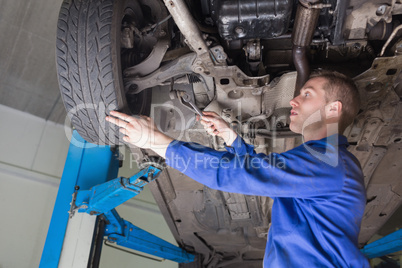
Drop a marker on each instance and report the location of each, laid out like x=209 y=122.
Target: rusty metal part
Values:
x=362 y=16
x=152 y=62
x=188 y=27
x=219 y=55
x=253 y=50
x=179 y=66
x=305 y=24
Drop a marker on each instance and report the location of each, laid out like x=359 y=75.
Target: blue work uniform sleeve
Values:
x=301 y=173
x=239 y=147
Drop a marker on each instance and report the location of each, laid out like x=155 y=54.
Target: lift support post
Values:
x=86 y=165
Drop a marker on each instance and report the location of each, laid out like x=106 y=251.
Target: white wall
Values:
x=26 y=202
x=32 y=156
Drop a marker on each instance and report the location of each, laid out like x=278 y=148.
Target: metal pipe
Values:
x=396 y=30
x=301 y=63
x=305 y=23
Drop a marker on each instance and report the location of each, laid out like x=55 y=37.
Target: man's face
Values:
x=308 y=108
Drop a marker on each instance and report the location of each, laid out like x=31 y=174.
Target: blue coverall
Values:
x=317 y=187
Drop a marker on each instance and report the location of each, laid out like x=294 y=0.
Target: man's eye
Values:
x=306 y=94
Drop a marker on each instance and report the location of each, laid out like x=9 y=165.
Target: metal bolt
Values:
x=198 y=69
x=133 y=87
x=381 y=10
x=356 y=46
x=239 y=30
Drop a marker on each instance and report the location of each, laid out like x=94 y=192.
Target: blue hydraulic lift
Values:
x=84 y=211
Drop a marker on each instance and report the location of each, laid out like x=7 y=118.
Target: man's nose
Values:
x=293 y=102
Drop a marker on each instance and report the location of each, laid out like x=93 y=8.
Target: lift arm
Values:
x=103 y=198
x=383 y=246
x=123 y=233
x=106 y=196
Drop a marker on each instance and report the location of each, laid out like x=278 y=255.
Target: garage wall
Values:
x=32 y=156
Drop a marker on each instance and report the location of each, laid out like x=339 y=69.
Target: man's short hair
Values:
x=341 y=88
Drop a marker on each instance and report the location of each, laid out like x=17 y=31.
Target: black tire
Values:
x=89 y=66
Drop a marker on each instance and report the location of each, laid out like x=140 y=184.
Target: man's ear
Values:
x=334 y=109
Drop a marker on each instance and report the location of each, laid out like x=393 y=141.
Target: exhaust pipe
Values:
x=300 y=60
x=305 y=23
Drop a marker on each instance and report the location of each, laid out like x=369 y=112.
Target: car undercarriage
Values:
x=244 y=60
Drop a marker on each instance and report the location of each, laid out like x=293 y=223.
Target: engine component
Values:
x=394 y=33
x=253 y=54
x=380 y=31
x=251 y=19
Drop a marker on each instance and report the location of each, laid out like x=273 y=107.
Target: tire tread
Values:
x=85 y=67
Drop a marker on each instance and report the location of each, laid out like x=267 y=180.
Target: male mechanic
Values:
x=319 y=195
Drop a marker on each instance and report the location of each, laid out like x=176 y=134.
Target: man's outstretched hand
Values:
x=141 y=132
x=216 y=126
